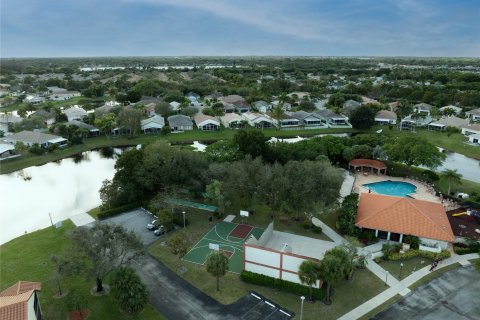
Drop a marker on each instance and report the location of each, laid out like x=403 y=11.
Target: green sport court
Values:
x=230 y=238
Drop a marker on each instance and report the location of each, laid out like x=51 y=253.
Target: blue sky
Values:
x=54 y=28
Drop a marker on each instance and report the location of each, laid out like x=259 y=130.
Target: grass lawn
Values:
x=454 y=142
x=384 y=306
x=187 y=137
x=232 y=288
x=467 y=186
x=409 y=266
x=27 y=258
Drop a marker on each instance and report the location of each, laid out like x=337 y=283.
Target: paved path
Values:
x=401 y=287
x=329 y=232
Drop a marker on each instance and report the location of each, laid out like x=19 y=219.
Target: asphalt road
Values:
x=176 y=298
x=452 y=296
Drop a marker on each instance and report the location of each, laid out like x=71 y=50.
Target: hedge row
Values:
x=444 y=254
x=282 y=285
x=114 y=211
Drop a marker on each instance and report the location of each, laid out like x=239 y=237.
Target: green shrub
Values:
x=279 y=284
x=444 y=254
x=36 y=150
x=413 y=241
x=306 y=224
x=317 y=229
x=114 y=211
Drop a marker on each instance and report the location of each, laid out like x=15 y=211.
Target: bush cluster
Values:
x=114 y=211
x=279 y=284
x=462 y=248
x=444 y=254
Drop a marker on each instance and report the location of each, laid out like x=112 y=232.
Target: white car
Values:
x=159 y=231
x=152 y=225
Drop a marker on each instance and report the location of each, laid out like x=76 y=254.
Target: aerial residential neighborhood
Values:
x=239 y=160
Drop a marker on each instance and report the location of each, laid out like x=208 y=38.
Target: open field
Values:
x=27 y=258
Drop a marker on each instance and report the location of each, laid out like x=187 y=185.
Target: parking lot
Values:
x=454 y=295
x=137 y=221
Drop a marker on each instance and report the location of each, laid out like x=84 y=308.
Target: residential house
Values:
x=393 y=218
x=63 y=96
x=206 y=123
x=393 y=106
x=148 y=99
x=445 y=122
x=233 y=121
x=149 y=109
x=258 y=120
x=262 y=106
x=367 y=100
x=34 y=99
x=55 y=90
x=153 y=124
x=75 y=113
x=29 y=138
x=241 y=106
x=415 y=120
x=332 y=119
x=474 y=139
x=349 y=106
x=309 y=120
x=385 y=117
x=423 y=109
x=228 y=107
x=7 y=119
x=193 y=97
x=473 y=114
x=48 y=117
x=286 y=106
x=175 y=105
x=92 y=130
x=288 y=121
x=455 y=109
x=470 y=129
x=21 y=302
x=180 y=123
x=6 y=151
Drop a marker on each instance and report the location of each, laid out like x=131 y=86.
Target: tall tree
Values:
x=362 y=118
x=403 y=109
x=251 y=142
x=217 y=265
x=309 y=273
x=331 y=271
x=130 y=119
x=106 y=123
x=278 y=113
x=453 y=177
x=129 y=290
x=103 y=248
x=414 y=151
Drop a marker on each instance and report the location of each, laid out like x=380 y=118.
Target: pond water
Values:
x=469 y=168
x=63 y=189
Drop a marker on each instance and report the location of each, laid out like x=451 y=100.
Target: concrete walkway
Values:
x=329 y=232
x=400 y=287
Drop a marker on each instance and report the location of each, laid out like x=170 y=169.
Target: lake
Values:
x=63 y=189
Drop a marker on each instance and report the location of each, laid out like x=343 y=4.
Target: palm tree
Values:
x=309 y=274
x=332 y=269
x=217 y=265
x=453 y=177
x=403 y=109
x=278 y=112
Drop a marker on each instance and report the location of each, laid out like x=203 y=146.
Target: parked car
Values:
x=152 y=225
x=159 y=231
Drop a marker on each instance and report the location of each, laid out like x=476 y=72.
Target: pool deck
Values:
x=424 y=191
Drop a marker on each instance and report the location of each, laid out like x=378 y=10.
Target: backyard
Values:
x=27 y=258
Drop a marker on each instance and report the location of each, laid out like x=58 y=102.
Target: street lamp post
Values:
x=183 y=219
x=301 y=310
x=386 y=278
x=401 y=267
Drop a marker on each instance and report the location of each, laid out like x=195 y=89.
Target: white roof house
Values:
x=423 y=108
x=474 y=139
x=308 y=119
x=75 y=113
x=152 y=124
x=30 y=138
x=175 y=105
x=473 y=114
x=232 y=120
x=470 y=129
x=454 y=108
x=206 y=123
x=258 y=120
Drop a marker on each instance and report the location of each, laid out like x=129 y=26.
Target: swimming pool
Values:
x=392 y=188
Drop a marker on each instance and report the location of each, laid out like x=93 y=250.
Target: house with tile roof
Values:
x=75 y=113
x=258 y=120
x=473 y=114
x=233 y=121
x=153 y=124
x=309 y=120
x=470 y=129
x=206 y=123
x=180 y=122
x=445 y=122
x=21 y=302
x=29 y=138
x=385 y=117
x=393 y=218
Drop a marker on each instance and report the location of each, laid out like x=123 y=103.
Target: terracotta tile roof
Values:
x=367 y=163
x=404 y=215
x=14 y=300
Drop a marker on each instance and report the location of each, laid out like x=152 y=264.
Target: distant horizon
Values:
x=319 y=28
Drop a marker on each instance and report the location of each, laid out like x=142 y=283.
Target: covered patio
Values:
x=368 y=163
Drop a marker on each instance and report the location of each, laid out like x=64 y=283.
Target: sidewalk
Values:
x=400 y=287
x=329 y=232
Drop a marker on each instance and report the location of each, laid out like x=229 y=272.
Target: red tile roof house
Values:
x=392 y=218
x=20 y=302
